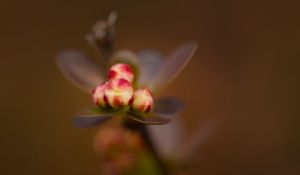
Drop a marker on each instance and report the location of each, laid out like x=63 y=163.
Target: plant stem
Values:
x=142 y=129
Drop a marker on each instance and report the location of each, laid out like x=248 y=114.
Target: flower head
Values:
x=117 y=93
x=120 y=90
x=115 y=89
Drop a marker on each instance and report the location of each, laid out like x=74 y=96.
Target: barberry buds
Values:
x=121 y=71
x=115 y=93
x=98 y=95
x=118 y=93
x=142 y=100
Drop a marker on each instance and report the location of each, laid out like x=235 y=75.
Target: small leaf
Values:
x=88 y=120
x=148 y=119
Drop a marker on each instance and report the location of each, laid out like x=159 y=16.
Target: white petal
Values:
x=124 y=56
x=171 y=142
x=173 y=65
x=199 y=136
x=167 y=137
x=149 y=62
x=168 y=106
x=80 y=69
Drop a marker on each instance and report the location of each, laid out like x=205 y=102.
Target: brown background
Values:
x=244 y=76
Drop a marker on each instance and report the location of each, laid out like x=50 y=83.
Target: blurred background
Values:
x=244 y=77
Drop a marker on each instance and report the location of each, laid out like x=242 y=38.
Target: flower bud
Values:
x=142 y=100
x=121 y=71
x=134 y=140
x=98 y=95
x=117 y=93
x=108 y=139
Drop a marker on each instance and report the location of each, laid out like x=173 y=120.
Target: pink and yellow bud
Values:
x=118 y=93
x=98 y=95
x=115 y=93
x=121 y=71
x=142 y=100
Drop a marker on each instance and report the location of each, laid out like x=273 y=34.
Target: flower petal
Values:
x=173 y=65
x=172 y=142
x=168 y=106
x=167 y=138
x=149 y=62
x=200 y=135
x=88 y=120
x=124 y=56
x=148 y=119
x=80 y=69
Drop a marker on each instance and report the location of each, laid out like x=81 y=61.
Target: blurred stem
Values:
x=142 y=129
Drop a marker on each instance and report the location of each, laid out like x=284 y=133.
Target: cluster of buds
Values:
x=118 y=91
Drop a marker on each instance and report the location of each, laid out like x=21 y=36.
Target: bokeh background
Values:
x=244 y=77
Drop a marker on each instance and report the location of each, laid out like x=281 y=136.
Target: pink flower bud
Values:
x=134 y=141
x=117 y=93
x=108 y=139
x=121 y=71
x=142 y=100
x=98 y=95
